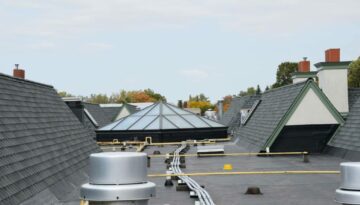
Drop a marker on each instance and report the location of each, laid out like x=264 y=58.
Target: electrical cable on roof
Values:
x=204 y=196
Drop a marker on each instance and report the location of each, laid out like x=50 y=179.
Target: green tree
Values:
x=267 y=88
x=199 y=98
x=98 y=99
x=283 y=74
x=354 y=74
x=154 y=95
x=64 y=94
x=258 y=90
x=249 y=91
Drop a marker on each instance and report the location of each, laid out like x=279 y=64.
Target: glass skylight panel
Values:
x=179 y=111
x=126 y=123
x=167 y=125
x=144 y=111
x=213 y=123
x=143 y=122
x=178 y=121
x=154 y=110
x=155 y=125
x=167 y=111
x=195 y=121
x=110 y=126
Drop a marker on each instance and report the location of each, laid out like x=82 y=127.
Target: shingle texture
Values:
x=42 y=141
x=348 y=135
x=268 y=114
x=232 y=116
x=111 y=113
x=98 y=114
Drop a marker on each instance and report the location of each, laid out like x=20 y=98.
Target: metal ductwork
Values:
x=349 y=191
x=118 y=178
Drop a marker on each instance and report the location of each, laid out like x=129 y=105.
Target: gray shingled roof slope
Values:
x=232 y=116
x=233 y=113
x=98 y=114
x=272 y=108
x=42 y=141
x=111 y=112
x=348 y=135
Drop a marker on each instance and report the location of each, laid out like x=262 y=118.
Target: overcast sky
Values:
x=175 y=47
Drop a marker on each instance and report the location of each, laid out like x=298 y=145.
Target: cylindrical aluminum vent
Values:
x=349 y=191
x=118 y=178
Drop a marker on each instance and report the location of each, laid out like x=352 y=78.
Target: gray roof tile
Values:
x=41 y=139
x=348 y=137
x=272 y=108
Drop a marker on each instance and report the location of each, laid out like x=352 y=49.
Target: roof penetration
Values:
x=161 y=116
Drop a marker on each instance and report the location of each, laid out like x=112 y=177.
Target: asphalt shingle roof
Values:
x=272 y=108
x=348 y=136
x=232 y=116
x=42 y=141
x=98 y=113
x=111 y=113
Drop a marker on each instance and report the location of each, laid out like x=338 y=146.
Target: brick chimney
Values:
x=18 y=73
x=304 y=66
x=332 y=55
x=333 y=79
x=303 y=73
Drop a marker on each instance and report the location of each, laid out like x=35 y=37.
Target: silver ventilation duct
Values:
x=118 y=178
x=349 y=191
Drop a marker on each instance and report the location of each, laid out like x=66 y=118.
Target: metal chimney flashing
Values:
x=118 y=178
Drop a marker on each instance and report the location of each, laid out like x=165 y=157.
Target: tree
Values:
x=98 y=99
x=249 y=91
x=354 y=74
x=258 y=90
x=267 y=88
x=227 y=102
x=203 y=105
x=185 y=105
x=135 y=96
x=64 y=94
x=283 y=74
x=197 y=98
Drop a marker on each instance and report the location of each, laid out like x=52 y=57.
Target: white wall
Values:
x=333 y=83
x=311 y=111
x=299 y=80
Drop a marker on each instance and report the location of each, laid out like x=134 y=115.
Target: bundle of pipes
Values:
x=202 y=194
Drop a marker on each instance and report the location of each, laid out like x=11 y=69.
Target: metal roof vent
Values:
x=118 y=178
x=349 y=191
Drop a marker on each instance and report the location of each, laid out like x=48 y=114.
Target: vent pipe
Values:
x=349 y=191
x=220 y=109
x=18 y=73
x=118 y=178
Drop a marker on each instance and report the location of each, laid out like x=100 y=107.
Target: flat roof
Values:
x=315 y=189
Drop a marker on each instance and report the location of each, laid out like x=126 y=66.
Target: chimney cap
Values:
x=17 y=66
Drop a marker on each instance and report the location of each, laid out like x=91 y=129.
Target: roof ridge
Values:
x=25 y=81
x=286 y=86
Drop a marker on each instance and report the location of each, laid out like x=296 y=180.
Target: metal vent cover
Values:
x=118 y=168
x=349 y=191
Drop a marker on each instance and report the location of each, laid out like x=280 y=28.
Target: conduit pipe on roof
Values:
x=118 y=178
x=203 y=195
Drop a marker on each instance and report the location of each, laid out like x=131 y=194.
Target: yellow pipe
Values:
x=246 y=173
x=233 y=154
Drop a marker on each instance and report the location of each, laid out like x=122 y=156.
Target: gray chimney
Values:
x=118 y=178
